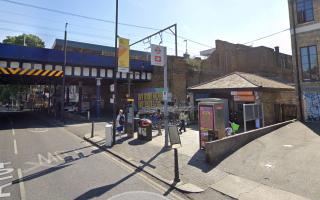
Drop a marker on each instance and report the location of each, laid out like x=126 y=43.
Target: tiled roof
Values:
x=241 y=80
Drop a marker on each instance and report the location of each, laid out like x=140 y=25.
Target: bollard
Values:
x=176 y=166
x=92 y=129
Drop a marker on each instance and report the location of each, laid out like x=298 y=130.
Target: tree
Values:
x=8 y=92
x=27 y=39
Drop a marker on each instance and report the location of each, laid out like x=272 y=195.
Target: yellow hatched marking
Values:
x=38 y=72
x=51 y=74
x=59 y=73
x=31 y=72
x=14 y=71
x=23 y=71
x=45 y=72
x=4 y=70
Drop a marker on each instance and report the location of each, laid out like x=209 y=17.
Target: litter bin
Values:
x=145 y=130
x=109 y=134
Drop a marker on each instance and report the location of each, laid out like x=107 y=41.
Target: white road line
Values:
x=152 y=183
x=21 y=185
x=15 y=146
x=13 y=132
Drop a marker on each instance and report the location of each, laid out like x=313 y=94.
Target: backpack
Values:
x=121 y=120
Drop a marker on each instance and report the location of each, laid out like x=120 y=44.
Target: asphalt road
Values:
x=41 y=161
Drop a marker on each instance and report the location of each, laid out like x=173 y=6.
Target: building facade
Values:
x=305 y=36
x=227 y=58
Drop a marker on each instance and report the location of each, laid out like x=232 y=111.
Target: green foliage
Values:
x=30 y=40
x=8 y=92
x=194 y=62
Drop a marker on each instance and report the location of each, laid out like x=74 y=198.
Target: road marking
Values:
x=2 y=187
x=152 y=183
x=5 y=171
x=21 y=185
x=2 y=164
x=15 y=146
x=38 y=130
x=268 y=165
x=130 y=169
x=43 y=161
x=13 y=132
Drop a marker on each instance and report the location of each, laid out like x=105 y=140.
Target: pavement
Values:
x=280 y=165
x=39 y=160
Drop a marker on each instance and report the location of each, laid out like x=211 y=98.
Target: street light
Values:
x=115 y=76
x=63 y=69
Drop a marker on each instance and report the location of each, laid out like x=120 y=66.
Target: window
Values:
x=309 y=63
x=304 y=11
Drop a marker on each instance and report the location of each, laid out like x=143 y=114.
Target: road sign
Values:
x=158 y=55
x=112 y=88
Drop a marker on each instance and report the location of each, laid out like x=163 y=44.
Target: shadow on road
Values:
x=68 y=161
x=98 y=191
x=314 y=126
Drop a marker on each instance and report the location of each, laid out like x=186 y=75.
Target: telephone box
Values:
x=129 y=126
x=211 y=121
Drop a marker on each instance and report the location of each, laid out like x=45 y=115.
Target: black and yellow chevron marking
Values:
x=31 y=72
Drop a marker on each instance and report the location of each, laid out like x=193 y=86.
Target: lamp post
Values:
x=115 y=70
x=64 y=69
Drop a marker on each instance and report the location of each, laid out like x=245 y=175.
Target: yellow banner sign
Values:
x=123 y=53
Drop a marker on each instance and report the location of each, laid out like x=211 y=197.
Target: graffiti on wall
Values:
x=311 y=101
x=149 y=98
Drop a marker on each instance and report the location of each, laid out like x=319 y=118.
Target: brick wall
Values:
x=310 y=90
x=228 y=58
x=270 y=98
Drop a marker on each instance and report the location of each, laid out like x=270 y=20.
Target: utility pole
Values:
x=115 y=70
x=64 y=69
x=165 y=76
x=165 y=108
x=186 y=41
x=24 y=40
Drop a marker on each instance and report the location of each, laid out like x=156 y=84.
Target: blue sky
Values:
x=204 y=21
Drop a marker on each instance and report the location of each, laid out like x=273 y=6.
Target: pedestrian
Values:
x=159 y=121
x=182 y=118
x=120 y=122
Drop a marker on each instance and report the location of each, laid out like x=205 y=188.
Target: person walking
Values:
x=182 y=118
x=120 y=122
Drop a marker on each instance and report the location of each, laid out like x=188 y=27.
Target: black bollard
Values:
x=92 y=129
x=176 y=166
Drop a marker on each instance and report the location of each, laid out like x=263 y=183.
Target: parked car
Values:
x=71 y=107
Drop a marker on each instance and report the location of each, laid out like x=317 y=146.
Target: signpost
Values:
x=159 y=58
x=158 y=55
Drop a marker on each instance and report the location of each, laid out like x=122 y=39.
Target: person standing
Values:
x=120 y=122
